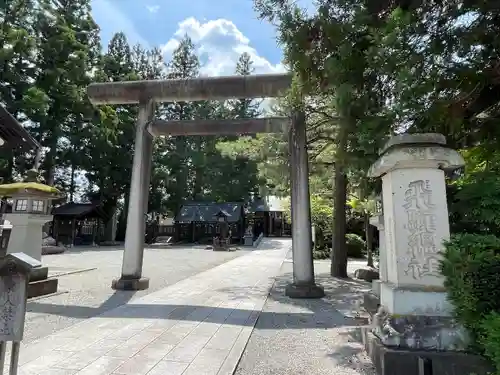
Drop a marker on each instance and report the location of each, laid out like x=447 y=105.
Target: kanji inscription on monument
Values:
x=12 y=307
x=421 y=226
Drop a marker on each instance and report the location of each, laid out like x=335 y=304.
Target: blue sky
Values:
x=221 y=29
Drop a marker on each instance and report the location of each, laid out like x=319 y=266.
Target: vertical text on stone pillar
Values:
x=421 y=226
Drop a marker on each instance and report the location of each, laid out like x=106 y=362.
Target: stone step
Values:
x=39 y=273
x=42 y=287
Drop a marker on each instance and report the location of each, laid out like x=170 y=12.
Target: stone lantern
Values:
x=224 y=239
x=31 y=209
x=222 y=219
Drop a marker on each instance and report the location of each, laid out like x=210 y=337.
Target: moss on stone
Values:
x=8 y=190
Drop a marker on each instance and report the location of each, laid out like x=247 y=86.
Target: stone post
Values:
x=414 y=311
x=378 y=222
x=131 y=278
x=303 y=285
x=114 y=226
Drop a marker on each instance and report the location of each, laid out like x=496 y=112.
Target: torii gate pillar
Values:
x=303 y=285
x=131 y=278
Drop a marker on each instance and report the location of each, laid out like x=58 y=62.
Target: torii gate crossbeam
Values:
x=146 y=93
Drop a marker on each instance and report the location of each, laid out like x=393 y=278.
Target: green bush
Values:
x=490 y=339
x=471 y=267
x=474 y=198
x=355 y=245
x=322 y=253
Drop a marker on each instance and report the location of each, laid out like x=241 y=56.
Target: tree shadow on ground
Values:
x=322 y=313
x=301 y=321
x=194 y=313
x=342 y=296
x=117 y=299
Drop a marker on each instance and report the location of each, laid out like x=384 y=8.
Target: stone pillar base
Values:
x=371 y=303
x=248 y=241
x=39 y=283
x=390 y=361
x=376 y=285
x=412 y=354
x=130 y=284
x=304 y=291
x=415 y=300
x=419 y=332
x=39 y=273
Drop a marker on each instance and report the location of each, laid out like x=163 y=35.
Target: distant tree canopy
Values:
x=50 y=53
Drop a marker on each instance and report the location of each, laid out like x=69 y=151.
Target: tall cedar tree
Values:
x=17 y=93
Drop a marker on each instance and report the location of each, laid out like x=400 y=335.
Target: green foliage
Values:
x=17 y=53
x=355 y=245
x=474 y=199
x=362 y=206
x=322 y=253
x=471 y=266
x=50 y=52
x=322 y=219
x=475 y=203
x=268 y=154
x=331 y=51
x=490 y=339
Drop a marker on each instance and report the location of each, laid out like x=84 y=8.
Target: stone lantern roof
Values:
x=30 y=187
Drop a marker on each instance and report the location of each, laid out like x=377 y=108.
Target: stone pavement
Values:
x=305 y=337
x=84 y=295
x=200 y=325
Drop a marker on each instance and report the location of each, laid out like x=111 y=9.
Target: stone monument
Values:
x=413 y=312
x=15 y=270
x=30 y=211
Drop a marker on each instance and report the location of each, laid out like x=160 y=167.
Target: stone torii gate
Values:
x=146 y=94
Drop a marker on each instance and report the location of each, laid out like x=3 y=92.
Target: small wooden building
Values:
x=268 y=217
x=198 y=221
x=78 y=223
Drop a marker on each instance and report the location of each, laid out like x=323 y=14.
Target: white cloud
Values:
x=219 y=44
x=111 y=19
x=153 y=8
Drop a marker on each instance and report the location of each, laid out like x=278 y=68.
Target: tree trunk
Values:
x=198 y=174
x=369 y=240
x=72 y=183
x=122 y=219
x=109 y=232
x=338 y=266
x=10 y=170
x=198 y=184
x=339 y=249
x=50 y=165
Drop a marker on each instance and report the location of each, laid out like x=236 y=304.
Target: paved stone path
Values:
x=310 y=337
x=198 y=326
x=87 y=294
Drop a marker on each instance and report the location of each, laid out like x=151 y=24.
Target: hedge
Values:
x=471 y=267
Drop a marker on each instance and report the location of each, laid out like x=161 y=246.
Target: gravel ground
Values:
x=88 y=293
x=307 y=337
